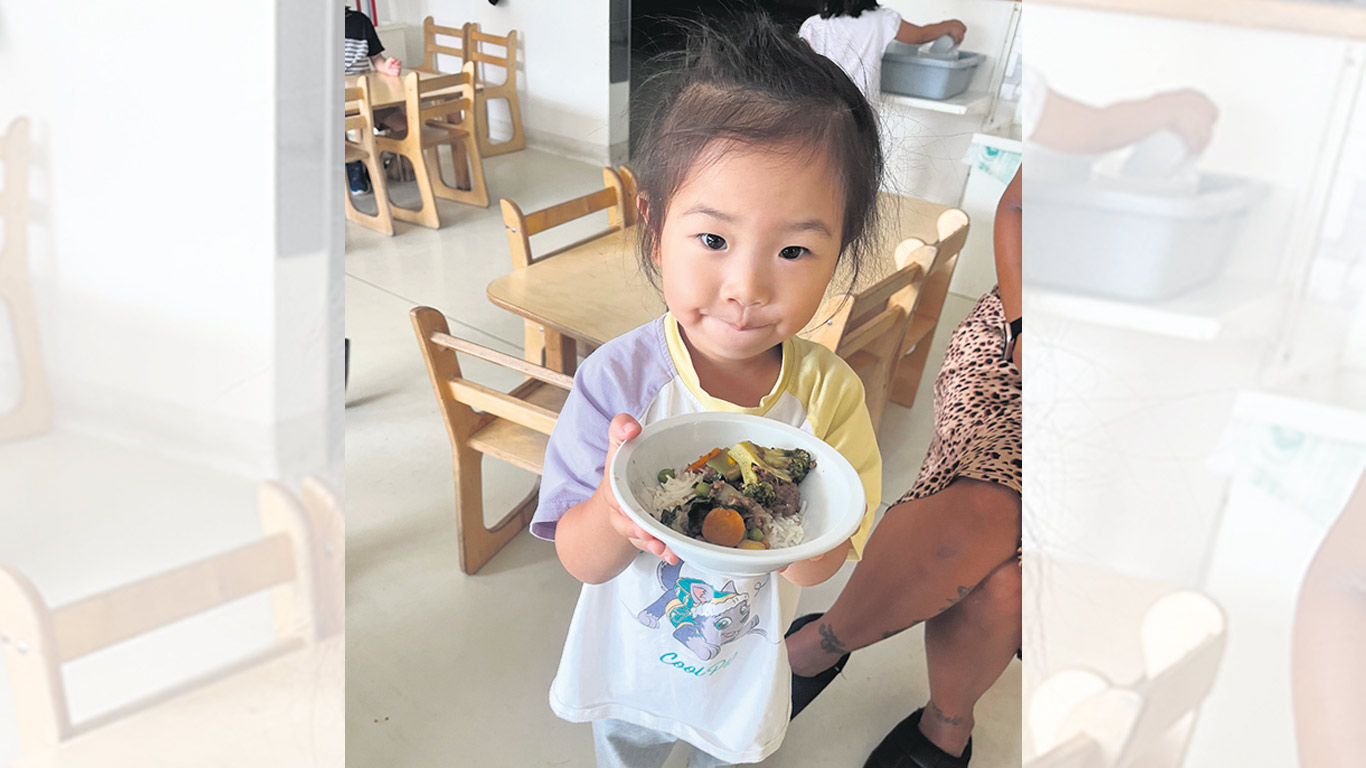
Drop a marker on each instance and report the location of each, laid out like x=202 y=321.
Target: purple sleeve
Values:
x=622 y=376
x=575 y=456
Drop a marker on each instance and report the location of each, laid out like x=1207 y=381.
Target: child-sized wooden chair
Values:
x=299 y=560
x=32 y=412
x=477 y=43
x=514 y=427
x=521 y=227
x=868 y=328
x=439 y=112
x=915 y=348
x=360 y=147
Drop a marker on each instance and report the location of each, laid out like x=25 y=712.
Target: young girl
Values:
x=855 y=33
x=760 y=172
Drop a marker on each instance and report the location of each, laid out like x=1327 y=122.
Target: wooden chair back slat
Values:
x=102 y=620
x=431 y=47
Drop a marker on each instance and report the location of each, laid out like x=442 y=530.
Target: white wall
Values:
x=566 y=108
x=154 y=246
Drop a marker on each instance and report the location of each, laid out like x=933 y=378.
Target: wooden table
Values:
x=387 y=90
x=597 y=292
x=289 y=710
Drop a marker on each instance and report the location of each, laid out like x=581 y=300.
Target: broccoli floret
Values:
x=791 y=466
x=761 y=493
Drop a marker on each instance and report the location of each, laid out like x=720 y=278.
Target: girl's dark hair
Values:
x=757 y=84
x=853 y=8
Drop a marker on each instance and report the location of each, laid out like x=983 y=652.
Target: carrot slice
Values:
x=696 y=465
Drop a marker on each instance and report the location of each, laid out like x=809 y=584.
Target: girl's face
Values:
x=748 y=246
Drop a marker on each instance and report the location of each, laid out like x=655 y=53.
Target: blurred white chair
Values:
x=299 y=559
x=1077 y=717
x=33 y=412
x=1183 y=643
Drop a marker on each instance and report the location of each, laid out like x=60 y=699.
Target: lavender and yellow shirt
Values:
x=692 y=653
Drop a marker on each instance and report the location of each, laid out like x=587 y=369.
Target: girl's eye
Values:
x=792 y=252
x=714 y=242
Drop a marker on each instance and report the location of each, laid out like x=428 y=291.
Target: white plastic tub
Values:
x=1132 y=245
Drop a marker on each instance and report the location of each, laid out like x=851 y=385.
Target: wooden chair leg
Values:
x=426 y=215
x=477 y=193
x=381 y=220
x=34 y=666
x=32 y=414
x=909 y=370
x=479 y=543
x=487 y=146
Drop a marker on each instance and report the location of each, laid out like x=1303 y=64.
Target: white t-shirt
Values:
x=691 y=653
x=856 y=43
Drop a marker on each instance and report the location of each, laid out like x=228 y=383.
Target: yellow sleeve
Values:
x=838 y=415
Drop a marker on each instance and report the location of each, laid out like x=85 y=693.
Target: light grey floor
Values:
x=448 y=669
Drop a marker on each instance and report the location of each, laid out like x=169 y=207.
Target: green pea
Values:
x=756 y=534
x=665 y=475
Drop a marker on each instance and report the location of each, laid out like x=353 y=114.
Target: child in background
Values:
x=362 y=52
x=759 y=176
x=855 y=33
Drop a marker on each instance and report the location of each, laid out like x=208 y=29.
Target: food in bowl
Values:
x=745 y=496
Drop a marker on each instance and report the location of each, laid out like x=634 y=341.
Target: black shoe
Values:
x=806 y=689
x=357 y=177
x=907 y=747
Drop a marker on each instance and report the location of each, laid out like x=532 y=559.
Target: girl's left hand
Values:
x=392 y=66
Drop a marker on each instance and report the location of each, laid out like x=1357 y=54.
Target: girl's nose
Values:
x=747 y=282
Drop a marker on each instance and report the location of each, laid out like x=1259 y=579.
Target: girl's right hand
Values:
x=955 y=29
x=623 y=428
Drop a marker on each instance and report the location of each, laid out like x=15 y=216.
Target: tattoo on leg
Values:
x=829 y=642
x=962 y=593
x=940 y=715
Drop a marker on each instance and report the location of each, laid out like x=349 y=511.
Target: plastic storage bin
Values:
x=908 y=73
x=1132 y=245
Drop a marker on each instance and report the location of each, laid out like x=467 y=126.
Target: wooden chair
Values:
x=360 y=122
x=629 y=191
x=476 y=42
x=514 y=427
x=457 y=44
x=32 y=414
x=521 y=227
x=1078 y=720
x=299 y=560
x=439 y=112
x=868 y=328
x=915 y=349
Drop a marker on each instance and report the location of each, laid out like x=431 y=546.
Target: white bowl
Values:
x=832 y=491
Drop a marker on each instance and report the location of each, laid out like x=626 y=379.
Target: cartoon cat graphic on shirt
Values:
x=704 y=618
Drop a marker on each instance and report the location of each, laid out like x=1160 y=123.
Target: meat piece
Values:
x=787 y=499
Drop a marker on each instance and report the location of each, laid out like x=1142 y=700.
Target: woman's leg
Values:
x=966 y=648
x=924 y=557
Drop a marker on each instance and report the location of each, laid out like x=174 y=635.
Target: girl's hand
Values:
x=955 y=29
x=391 y=66
x=808 y=573
x=1189 y=113
x=624 y=428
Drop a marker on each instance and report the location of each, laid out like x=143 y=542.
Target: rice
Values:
x=788 y=531
x=673 y=493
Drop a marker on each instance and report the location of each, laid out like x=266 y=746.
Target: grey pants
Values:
x=620 y=744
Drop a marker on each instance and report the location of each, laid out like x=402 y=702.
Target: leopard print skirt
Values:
x=976 y=407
